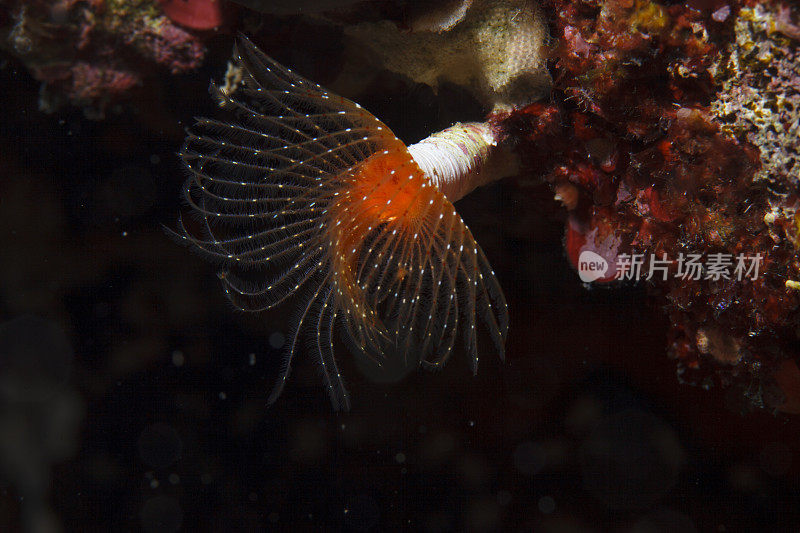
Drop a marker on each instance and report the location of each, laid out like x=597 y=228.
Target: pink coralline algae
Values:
x=672 y=137
x=82 y=83
x=90 y=53
x=169 y=46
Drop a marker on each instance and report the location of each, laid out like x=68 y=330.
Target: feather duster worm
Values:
x=322 y=200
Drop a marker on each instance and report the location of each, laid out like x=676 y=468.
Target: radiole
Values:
x=319 y=198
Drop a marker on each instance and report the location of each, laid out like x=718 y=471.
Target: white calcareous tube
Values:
x=462 y=157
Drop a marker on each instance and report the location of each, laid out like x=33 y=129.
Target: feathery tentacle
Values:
x=318 y=197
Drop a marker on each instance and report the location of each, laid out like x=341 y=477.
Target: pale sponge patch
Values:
x=495 y=48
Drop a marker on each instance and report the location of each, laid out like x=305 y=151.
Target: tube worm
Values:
x=309 y=194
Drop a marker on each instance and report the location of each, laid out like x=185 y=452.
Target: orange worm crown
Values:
x=320 y=198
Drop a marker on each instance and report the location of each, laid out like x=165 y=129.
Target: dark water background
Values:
x=132 y=395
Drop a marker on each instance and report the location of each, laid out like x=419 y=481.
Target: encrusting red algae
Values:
x=673 y=131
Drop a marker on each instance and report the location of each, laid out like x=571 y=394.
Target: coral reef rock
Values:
x=672 y=142
x=91 y=53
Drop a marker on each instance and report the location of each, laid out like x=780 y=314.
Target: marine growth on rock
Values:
x=671 y=140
